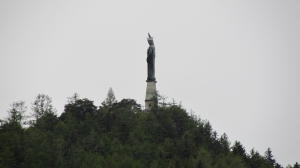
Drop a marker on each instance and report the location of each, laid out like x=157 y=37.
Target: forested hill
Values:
x=118 y=134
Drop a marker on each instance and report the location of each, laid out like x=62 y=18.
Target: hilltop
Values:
x=118 y=134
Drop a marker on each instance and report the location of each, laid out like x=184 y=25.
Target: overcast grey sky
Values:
x=234 y=63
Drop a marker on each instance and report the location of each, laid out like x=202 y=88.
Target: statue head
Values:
x=150 y=40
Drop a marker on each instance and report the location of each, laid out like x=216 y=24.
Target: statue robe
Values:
x=151 y=63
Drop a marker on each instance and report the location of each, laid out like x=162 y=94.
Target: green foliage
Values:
x=74 y=98
x=277 y=165
x=110 y=98
x=269 y=157
x=118 y=134
x=17 y=112
x=238 y=149
x=225 y=144
x=296 y=165
x=42 y=105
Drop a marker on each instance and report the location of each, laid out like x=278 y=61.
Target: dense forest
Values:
x=118 y=134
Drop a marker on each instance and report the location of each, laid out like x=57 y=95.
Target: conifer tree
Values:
x=296 y=165
x=269 y=157
x=238 y=149
x=12 y=136
x=225 y=142
x=17 y=111
x=254 y=159
x=110 y=98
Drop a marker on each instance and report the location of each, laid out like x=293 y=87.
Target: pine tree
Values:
x=224 y=143
x=296 y=165
x=12 y=136
x=110 y=98
x=17 y=111
x=238 y=149
x=269 y=157
x=254 y=159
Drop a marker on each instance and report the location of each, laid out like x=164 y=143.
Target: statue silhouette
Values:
x=151 y=60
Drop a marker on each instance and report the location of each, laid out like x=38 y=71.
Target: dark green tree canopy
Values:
x=119 y=134
x=269 y=157
x=238 y=149
x=296 y=165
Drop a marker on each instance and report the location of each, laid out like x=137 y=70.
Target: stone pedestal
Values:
x=150 y=90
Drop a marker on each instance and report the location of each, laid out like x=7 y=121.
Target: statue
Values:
x=151 y=60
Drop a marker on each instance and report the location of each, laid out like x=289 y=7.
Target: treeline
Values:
x=118 y=134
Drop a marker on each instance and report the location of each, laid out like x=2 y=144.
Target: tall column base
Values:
x=150 y=90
